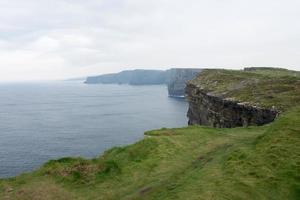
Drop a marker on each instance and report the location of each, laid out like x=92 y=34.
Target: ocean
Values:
x=50 y=120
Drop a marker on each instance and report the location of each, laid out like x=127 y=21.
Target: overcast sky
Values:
x=55 y=39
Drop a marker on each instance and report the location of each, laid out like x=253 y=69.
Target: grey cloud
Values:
x=60 y=38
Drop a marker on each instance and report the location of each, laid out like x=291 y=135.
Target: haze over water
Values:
x=42 y=121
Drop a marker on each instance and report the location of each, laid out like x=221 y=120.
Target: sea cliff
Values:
x=177 y=79
x=224 y=98
x=210 y=110
x=174 y=78
x=132 y=77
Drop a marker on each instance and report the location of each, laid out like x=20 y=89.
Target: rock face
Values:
x=177 y=79
x=132 y=77
x=211 y=110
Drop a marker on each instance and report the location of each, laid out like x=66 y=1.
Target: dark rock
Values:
x=206 y=109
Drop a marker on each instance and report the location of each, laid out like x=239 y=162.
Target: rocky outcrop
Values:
x=177 y=79
x=212 y=110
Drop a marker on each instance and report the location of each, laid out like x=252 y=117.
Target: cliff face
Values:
x=177 y=79
x=148 y=77
x=210 y=110
x=231 y=98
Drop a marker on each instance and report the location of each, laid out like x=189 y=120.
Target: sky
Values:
x=58 y=39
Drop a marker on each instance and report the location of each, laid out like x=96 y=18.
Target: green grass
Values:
x=186 y=163
x=193 y=162
x=275 y=72
x=267 y=88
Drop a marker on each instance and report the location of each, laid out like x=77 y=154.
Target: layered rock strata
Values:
x=212 y=110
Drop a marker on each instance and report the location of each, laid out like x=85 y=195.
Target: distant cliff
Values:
x=132 y=77
x=177 y=79
x=174 y=78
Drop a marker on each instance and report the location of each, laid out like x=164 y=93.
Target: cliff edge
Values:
x=230 y=98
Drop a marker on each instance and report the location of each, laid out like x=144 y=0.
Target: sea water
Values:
x=50 y=120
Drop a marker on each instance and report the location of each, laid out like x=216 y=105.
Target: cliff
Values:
x=228 y=98
x=133 y=77
x=177 y=79
x=210 y=110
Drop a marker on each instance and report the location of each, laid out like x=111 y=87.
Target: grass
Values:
x=275 y=72
x=194 y=162
x=186 y=163
x=269 y=88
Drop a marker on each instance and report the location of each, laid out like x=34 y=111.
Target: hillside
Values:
x=195 y=162
x=132 y=77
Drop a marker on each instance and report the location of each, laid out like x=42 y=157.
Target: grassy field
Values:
x=188 y=163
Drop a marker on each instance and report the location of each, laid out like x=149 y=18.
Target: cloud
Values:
x=42 y=39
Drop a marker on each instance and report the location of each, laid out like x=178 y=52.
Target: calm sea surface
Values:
x=42 y=121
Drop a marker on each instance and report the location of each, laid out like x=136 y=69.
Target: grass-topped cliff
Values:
x=193 y=162
x=263 y=87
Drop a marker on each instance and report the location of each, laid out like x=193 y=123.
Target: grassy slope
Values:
x=187 y=163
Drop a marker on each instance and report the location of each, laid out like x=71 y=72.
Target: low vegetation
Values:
x=195 y=162
x=265 y=87
x=186 y=163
